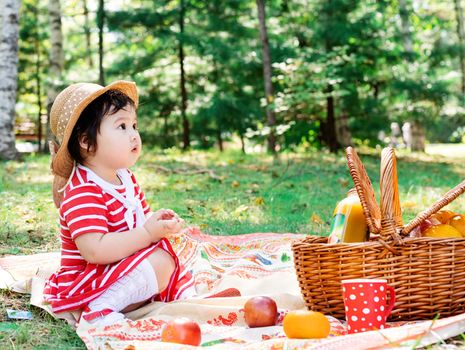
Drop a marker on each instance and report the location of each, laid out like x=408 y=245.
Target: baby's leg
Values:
x=149 y=278
x=163 y=265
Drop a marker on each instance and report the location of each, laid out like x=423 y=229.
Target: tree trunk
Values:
x=418 y=133
x=87 y=33
x=461 y=37
x=9 y=36
x=328 y=127
x=269 y=94
x=38 y=83
x=100 y=25
x=418 y=137
x=219 y=139
x=185 y=121
x=242 y=143
x=343 y=133
x=56 y=57
x=328 y=133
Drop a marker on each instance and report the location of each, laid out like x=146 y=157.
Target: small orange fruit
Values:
x=304 y=324
x=442 y=231
x=458 y=222
x=444 y=215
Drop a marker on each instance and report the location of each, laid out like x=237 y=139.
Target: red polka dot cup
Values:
x=366 y=303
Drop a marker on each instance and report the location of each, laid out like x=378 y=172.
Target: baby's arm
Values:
x=99 y=248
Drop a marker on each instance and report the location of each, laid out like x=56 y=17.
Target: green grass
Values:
x=239 y=194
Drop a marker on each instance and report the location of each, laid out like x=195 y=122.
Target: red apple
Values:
x=181 y=331
x=260 y=312
x=427 y=223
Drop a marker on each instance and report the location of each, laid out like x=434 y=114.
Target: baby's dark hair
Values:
x=88 y=124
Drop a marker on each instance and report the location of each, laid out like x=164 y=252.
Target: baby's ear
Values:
x=84 y=143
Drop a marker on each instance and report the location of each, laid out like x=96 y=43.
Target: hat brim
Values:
x=63 y=163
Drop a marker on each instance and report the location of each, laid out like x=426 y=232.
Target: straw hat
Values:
x=64 y=114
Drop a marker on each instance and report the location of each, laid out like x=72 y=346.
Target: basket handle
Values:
x=446 y=199
x=389 y=196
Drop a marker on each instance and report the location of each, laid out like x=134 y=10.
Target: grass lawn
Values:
x=222 y=193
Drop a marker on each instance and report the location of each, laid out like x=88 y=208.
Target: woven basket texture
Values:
x=428 y=274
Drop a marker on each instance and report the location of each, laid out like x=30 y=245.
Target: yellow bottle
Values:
x=348 y=224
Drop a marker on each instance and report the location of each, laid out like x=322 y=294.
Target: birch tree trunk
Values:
x=38 y=80
x=269 y=94
x=9 y=36
x=56 y=58
x=461 y=37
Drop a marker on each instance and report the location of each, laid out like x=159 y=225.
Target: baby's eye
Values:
x=134 y=126
x=122 y=126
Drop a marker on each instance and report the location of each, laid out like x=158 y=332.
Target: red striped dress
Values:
x=87 y=208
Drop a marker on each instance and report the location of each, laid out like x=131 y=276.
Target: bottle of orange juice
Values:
x=348 y=224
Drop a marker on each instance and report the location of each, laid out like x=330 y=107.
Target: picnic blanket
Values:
x=255 y=264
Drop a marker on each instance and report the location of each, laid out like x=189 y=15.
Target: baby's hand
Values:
x=166 y=214
x=160 y=228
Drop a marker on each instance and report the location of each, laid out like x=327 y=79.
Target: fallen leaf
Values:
x=235 y=184
x=259 y=201
x=316 y=219
x=240 y=209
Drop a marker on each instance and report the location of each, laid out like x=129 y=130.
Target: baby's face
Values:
x=118 y=141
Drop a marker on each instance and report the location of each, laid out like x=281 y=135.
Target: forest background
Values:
x=281 y=74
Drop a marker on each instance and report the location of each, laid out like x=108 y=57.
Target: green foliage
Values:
x=352 y=51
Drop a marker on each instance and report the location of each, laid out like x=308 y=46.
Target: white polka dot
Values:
x=366 y=311
x=343 y=289
x=381 y=308
x=370 y=324
x=376 y=299
x=371 y=284
x=349 y=327
x=360 y=285
x=365 y=302
x=363 y=319
x=352 y=297
x=363 y=329
x=376 y=291
x=362 y=294
x=354 y=318
x=355 y=309
x=376 y=310
x=353 y=288
x=381 y=288
x=347 y=308
x=356 y=331
x=382 y=326
x=379 y=318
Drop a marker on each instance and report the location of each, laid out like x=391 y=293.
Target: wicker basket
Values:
x=428 y=274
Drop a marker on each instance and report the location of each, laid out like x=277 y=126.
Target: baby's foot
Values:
x=104 y=317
